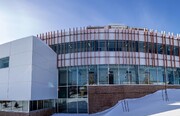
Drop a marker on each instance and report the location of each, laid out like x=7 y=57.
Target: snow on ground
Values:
x=149 y=105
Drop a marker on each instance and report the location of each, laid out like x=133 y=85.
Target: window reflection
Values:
x=72 y=92
x=92 y=74
x=72 y=76
x=82 y=91
x=115 y=45
x=4 y=62
x=82 y=76
x=62 y=77
x=103 y=74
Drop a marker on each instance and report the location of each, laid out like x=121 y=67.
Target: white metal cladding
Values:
x=32 y=71
x=111 y=58
x=99 y=35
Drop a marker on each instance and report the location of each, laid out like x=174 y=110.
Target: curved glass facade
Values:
x=106 y=56
x=115 y=45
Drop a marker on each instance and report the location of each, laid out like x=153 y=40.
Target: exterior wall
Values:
x=44 y=72
x=104 y=97
x=16 y=79
x=27 y=77
x=105 y=57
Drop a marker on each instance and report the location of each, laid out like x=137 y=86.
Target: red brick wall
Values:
x=104 y=97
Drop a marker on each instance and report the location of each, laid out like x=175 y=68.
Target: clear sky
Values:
x=21 y=18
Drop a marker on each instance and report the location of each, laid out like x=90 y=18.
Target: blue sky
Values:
x=21 y=18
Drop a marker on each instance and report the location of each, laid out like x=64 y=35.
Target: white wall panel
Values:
x=5 y=50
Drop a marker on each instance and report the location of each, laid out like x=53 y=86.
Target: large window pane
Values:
x=72 y=105
x=122 y=74
x=142 y=74
x=160 y=49
x=82 y=105
x=170 y=75
x=82 y=91
x=72 y=92
x=177 y=76
x=113 y=74
x=102 y=46
x=62 y=105
x=92 y=75
x=160 y=75
x=62 y=77
x=111 y=46
x=72 y=76
x=82 y=76
x=130 y=75
x=141 y=46
x=103 y=74
x=119 y=46
x=153 y=75
x=62 y=93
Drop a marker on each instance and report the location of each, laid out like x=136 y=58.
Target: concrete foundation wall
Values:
x=104 y=97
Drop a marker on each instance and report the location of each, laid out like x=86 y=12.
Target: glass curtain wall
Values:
x=73 y=81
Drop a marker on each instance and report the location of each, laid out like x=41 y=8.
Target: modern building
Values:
x=97 y=66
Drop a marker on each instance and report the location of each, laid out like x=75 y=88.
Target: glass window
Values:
x=47 y=104
x=130 y=75
x=153 y=75
x=33 y=105
x=113 y=74
x=62 y=105
x=111 y=46
x=141 y=46
x=142 y=74
x=136 y=46
x=92 y=75
x=4 y=62
x=82 y=91
x=40 y=104
x=54 y=47
x=82 y=76
x=176 y=51
x=72 y=92
x=83 y=46
x=72 y=105
x=25 y=105
x=103 y=74
x=79 y=46
x=119 y=45
x=177 y=76
x=62 y=77
x=160 y=75
x=149 y=48
x=122 y=74
x=82 y=105
x=72 y=76
x=170 y=75
x=62 y=92
x=71 y=47
x=160 y=49
x=101 y=46
x=168 y=50
x=90 y=45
